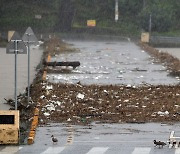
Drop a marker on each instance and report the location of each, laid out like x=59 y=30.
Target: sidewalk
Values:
x=7 y=72
x=173 y=51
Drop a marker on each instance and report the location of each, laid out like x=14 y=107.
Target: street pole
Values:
x=29 y=38
x=150 y=24
x=28 y=66
x=15 y=76
x=116 y=11
x=15 y=91
x=16 y=46
x=144 y=4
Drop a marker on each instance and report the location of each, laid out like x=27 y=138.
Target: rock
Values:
x=46 y=114
x=50 y=107
x=80 y=96
x=49 y=87
x=163 y=113
x=69 y=119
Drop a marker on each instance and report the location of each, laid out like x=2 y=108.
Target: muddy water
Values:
x=7 y=70
x=112 y=62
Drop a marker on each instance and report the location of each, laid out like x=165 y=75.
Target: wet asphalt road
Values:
x=99 y=139
x=112 y=62
x=7 y=70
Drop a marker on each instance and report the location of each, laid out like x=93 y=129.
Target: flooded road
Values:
x=7 y=68
x=112 y=62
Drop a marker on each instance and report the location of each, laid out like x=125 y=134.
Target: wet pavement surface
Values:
x=7 y=70
x=106 y=88
x=112 y=62
x=100 y=138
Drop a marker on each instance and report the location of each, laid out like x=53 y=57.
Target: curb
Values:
x=33 y=127
x=36 y=114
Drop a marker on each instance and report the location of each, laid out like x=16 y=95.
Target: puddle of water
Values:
x=112 y=63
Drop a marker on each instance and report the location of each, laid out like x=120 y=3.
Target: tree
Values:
x=65 y=15
x=162 y=16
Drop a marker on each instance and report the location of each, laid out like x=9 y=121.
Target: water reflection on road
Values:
x=111 y=62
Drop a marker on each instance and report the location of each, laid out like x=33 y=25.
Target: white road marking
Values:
x=53 y=150
x=141 y=151
x=111 y=141
x=177 y=151
x=98 y=150
x=10 y=150
x=177 y=144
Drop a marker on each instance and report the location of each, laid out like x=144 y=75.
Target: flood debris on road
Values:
x=83 y=104
x=112 y=103
x=77 y=103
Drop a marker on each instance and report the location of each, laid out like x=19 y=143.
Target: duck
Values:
x=159 y=143
x=54 y=139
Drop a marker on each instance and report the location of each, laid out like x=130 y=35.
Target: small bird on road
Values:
x=159 y=143
x=54 y=139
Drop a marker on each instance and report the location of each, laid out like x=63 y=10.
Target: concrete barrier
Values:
x=9 y=126
x=145 y=37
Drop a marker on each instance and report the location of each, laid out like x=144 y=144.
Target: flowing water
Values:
x=112 y=62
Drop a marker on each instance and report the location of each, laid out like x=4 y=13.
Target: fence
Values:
x=162 y=41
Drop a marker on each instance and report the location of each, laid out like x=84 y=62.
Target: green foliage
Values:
x=61 y=15
x=162 y=16
x=18 y=15
x=130 y=8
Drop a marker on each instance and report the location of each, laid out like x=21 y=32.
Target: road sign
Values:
x=91 y=23
x=29 y=37
x=16 y=46
x=16 y=40
x=10 y=34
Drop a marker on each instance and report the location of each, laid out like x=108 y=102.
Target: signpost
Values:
x=91 y=23
x=29 y=38
x=16 y=46
x=116 y=11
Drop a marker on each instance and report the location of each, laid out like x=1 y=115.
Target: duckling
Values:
x=54 y=139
